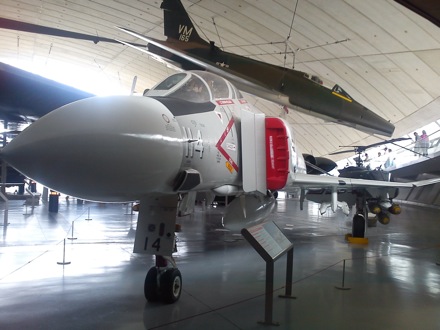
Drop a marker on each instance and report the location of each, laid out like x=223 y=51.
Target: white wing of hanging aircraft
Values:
x=242 y=82
x=192 y=133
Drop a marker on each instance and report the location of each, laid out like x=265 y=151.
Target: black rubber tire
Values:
x=150 y=287
x=170 y=286
x=358 y=226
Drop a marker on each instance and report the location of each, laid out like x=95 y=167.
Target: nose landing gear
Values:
x=163 y=282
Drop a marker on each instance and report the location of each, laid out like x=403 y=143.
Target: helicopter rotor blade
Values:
x=360 y=149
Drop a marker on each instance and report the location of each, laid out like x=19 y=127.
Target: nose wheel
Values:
x=170 y=286
x=163 y=282
x=151 y=288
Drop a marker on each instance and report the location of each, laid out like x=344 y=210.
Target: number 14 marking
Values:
x=156 y=244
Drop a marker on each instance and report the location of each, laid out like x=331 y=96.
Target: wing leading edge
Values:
x=318 y=181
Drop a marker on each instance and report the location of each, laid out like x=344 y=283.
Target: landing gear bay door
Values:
x=156 y=225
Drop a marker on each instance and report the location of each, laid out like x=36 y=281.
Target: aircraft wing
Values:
x=369 y=196
x=320 y=181
x=336 y=184
x=26 y=97
x=165 y=46
x=167 y=61
x=241 y=83
x=427 y=9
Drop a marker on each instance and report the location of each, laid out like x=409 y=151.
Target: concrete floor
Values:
x=394 y=280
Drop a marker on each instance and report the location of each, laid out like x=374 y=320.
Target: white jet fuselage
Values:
x=120 y=148
x=192 y=132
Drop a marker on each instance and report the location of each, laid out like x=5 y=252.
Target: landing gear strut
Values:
x=155 y=235
x=163 y=281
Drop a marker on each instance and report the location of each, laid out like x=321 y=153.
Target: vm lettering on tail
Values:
x=184 y=33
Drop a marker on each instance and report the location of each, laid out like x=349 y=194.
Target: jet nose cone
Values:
x=104 y=148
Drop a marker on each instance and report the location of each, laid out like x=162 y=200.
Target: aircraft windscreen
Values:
x=195 y=86
x=170 y=82
x=336 y=89
x=194 y=90
x=218 y=85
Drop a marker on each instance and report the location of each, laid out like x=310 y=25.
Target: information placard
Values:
x=268 y=240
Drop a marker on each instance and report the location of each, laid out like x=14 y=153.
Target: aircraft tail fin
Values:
x=177 y=24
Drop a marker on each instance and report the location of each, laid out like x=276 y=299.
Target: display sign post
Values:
x=270 y=243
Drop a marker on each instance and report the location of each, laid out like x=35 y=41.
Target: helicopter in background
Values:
x=362 y=171
x=370 y=206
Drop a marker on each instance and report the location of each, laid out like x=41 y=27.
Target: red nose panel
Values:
x=277 y=154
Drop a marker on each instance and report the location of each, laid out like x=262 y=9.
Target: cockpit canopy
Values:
x=195 y=86
x=328 y=84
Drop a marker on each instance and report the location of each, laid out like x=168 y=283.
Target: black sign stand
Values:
x=270 y=243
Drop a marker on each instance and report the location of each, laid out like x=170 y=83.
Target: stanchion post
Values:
x=343 y=287
x=73 y=226
x=129 y=205
x=88 y=214
x=6 y=214
x=64 y=262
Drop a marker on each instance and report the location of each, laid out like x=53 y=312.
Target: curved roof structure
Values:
x=382 y=53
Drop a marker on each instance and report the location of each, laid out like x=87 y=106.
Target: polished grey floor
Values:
x=394 y=280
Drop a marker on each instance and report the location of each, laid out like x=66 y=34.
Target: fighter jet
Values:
x=185 y=49
x=307 y=93
x=191 y=133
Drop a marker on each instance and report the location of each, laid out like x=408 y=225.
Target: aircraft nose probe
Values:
x=112 y=146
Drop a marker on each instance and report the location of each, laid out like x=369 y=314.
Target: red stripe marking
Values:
x=222 y=139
